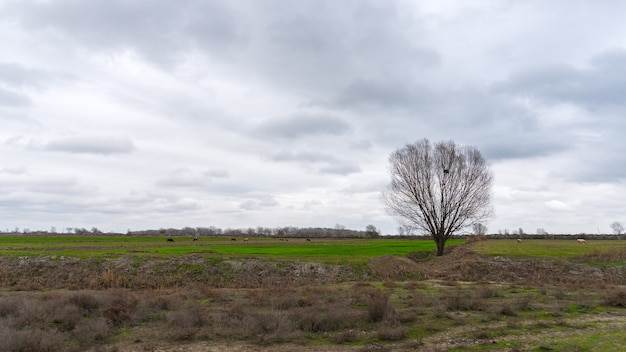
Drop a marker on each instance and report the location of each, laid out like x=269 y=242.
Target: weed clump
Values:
x=615 y=298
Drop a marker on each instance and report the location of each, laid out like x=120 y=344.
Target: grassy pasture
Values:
x=318 y=250
x=554 y=249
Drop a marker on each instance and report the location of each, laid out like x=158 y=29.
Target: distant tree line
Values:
x=339 y=231
x=279 y=232
x=557 y=236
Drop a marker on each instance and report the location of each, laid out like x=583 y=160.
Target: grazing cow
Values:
x=308 y=240
x=519 y=240
x=195 y=238
x=170 y=240
x=233 y=239
x=245 y=239
x=581 y=241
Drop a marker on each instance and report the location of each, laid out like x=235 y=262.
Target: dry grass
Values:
x=266 y=310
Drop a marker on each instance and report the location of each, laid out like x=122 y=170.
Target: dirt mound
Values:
x=390 y=267
x=463 y=264
x=460 y=261
x=455 y=265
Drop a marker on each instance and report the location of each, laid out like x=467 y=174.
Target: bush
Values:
x=379 y=307
x=392 y=333
x=67 y=318
x=120 y=307
x=190 y=317
x=462 y=300
x=325 y=319
x=615 y=298
x=87 y=303
x=35 y=340
x=346 y=337
x=10 y=306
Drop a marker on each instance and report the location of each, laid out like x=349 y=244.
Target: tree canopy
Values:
x=439 y=189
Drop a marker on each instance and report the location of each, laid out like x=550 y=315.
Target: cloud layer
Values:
x=149 y=114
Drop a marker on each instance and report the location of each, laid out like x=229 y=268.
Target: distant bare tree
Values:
x=371 y=230
x=439 y=189
x=406 y=230
x=479 y=229
x=617 y=227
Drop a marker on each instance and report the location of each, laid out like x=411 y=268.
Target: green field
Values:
x=319 y=250
x=553 y=249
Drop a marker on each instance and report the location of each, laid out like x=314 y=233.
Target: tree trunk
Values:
x=440 y=244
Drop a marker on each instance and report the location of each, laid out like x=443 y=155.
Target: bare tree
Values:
x=617 y=227
x=371 y=230
x=479 y=229
x=439 y=189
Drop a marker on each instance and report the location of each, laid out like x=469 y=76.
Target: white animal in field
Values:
x=519 y=240
x=581 y=241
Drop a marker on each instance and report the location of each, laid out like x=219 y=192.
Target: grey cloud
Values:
x=15 y=75
x=302 y=125
x=601 y=84
x=38 y=186
x=259 y=203
x=185 y=178
x=310 y=46
x=158 y=30
x=382 y=94
x=13 y=170
x=344 y=168
x=302 y=156
x=12 y=99
x=331 y=42
x=520 y=147
x=92 y=145
x=325 y=163
x=217 y=173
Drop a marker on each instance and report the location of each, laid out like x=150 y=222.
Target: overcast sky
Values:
x=136 y=114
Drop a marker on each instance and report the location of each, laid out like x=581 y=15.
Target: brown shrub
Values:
x=486 y=291
x=407 y=316
x=379 y=307
x=392 y=333
x=91 y=331
x=524 y=303
x=347 y=337
x=190 y=317
x=34 y=340
x=118 y=307
x=615 y=298
x=508 y=310
x=325 y=319
x=10 y=306
x=67 y=318
x=87 y=303
x=31 y=314
x=461 y=300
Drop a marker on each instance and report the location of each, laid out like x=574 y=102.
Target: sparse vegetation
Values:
x=145 y=304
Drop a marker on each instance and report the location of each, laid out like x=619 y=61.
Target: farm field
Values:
x=549 y=248
x=318 y=250
x=106 y=294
